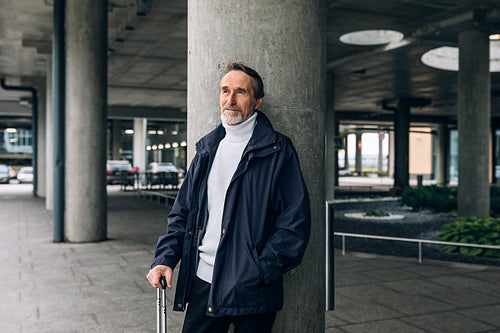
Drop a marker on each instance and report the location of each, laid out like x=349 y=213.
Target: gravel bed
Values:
x=417 y=225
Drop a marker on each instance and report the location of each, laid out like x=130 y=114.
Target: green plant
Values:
x=443 y=198
x=435 y=198
x=377 y=213
x=473 y=230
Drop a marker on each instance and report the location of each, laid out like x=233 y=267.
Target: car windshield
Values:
x=27 y=170
x=3 y=168
x=166 y=168
x=119 y=165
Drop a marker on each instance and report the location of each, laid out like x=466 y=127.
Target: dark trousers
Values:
x=196 y=320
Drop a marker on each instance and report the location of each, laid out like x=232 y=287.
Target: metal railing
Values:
x=411 y=240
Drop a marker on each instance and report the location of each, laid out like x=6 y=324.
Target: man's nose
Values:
x=232 y=98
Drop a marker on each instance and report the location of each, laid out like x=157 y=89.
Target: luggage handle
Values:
x=161 y=307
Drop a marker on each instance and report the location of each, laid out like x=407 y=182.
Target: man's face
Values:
x=237 y=101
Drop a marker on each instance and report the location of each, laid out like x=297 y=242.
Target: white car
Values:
x=25 y=175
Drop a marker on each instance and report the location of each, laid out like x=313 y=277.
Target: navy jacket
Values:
x=265 y=225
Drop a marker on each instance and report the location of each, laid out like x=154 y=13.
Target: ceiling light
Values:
x=446 y=57
x=371 y=37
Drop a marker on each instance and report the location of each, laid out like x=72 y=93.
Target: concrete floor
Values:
x=101 y=287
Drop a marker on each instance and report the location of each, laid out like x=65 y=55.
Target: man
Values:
x=241 y=218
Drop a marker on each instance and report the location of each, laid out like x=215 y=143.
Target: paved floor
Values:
x=101 y=287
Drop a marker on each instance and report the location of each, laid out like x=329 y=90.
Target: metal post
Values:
x=343 y=245
x=58 y=103
x=330 y=304
x=419 y=252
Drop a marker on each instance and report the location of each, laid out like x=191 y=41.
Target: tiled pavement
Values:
x=101 y=287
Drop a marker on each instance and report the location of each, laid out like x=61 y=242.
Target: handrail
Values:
x=412 y=240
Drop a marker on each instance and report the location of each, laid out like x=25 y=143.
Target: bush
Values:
x=377 y=213
x=473 y=230
x=443 y=199
x=435 y=198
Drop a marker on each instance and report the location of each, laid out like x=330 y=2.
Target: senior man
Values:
x=240 y=220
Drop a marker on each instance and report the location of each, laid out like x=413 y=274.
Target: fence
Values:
x=412 y=240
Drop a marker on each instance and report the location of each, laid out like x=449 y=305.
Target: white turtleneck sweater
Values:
x=226 y=161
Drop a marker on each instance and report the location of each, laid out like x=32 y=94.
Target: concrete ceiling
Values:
x=147 y=66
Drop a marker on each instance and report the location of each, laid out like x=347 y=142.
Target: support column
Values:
x=140 y=125
x=116 y=135
x=443 y=152
x=359 y=157
x=41 y=139
x=473 y=123
x=49 y=141
x=86 y=105
x=402 y=146
x=392 y=152
x=346 y=151
x=285 y=44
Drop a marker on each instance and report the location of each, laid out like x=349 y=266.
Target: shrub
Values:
x=435 y=198
x=473 y=230
x=377 y=213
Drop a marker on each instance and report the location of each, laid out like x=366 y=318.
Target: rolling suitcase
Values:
x=161 y=307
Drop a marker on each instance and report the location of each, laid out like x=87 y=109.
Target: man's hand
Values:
x=158 y=271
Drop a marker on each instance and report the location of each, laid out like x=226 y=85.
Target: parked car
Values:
x=119 y=172
x=162 y=174
x=25 y=175
x=4 y=174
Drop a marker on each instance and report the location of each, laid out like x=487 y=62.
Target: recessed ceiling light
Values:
x=446 y=57
x=371 y=37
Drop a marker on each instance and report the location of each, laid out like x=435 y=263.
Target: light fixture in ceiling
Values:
x=371 y=37
x=446 y=57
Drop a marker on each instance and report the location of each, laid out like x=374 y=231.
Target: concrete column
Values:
x=402 y=146
x=380 y=161
x=443 y=152
x=41 y=133
x=359 y=156
x=346 y=151
x=116 y=141
x=473 y=123
x=49 y=141
x=284 y=42
x=390 y=161
x=140 y=126
x=86 y=105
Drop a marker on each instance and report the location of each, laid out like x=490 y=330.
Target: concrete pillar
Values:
x=49 y=141
x=380 y=161
x=86 y=105
x=346 y=151
x=42 y=141
x=284 y=42
x=140 y=127
x=116 y=134
x=443 y=152
x=390 y=159
x=402 y=145
x=359 y=156
x=473 y=123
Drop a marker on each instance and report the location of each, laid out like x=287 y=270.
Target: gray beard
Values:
x=233 y=120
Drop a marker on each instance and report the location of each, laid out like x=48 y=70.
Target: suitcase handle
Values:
x=163 y=282
x=161 y=307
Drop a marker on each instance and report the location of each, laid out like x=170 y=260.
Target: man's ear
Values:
x=258 y=103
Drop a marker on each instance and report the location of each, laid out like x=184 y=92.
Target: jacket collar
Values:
x=263 y=135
